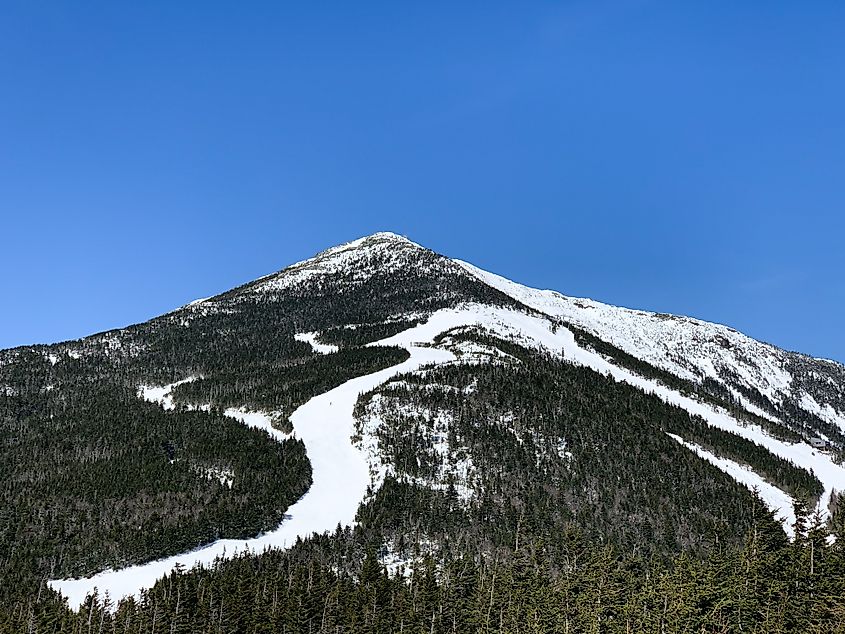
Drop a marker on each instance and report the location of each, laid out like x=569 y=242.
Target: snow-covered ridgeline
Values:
x=349 y=259
x=742 y=474
x=831 y=475
x=311 y=339
x=537 y=331
x=687 y=347
x=678 y=344
x=340 y=479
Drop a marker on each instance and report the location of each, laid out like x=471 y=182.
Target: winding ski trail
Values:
x=340 y=470
x=340 y=479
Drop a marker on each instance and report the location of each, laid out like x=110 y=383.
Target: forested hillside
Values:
x=526 y=473
x=536 y=445
x=767 y=585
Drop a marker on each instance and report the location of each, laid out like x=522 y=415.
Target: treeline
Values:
x=765 y=585
x=111 y=480
x=782 y=473
x=362 y=334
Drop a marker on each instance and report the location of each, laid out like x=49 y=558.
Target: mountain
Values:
x=381 y=398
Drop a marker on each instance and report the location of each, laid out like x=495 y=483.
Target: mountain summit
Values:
x=383 y=396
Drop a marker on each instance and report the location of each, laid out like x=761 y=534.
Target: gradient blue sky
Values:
x=680 y=157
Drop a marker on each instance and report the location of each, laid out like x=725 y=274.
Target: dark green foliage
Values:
x=580 y=509
x=115 y=480
x=362 y=334
x=708 y=390
x=554 y=446
x=92 y=476
x=811 y=375
x=288 y=386
x=765 y=585
x=780 y=472
x=87 y=477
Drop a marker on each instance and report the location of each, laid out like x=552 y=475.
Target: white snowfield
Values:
x=162 y=394
x=687 y=347
x=340 y=479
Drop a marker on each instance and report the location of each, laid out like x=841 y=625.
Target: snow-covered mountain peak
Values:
x=354 y=261
x=405 y=277
x=475 y=382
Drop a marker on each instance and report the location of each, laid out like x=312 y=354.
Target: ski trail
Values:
x=777 y=499
x=539 y=331
x=340 y=479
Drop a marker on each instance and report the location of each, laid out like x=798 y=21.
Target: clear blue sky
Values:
x=681 y=157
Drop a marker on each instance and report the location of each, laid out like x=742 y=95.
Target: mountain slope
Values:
x=761 y=376
x=541 y=416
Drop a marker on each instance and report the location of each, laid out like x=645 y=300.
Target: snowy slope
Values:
x=539 y=332
x=355 y=262
x=687 y=347
x=777 y=500
x=340 y=479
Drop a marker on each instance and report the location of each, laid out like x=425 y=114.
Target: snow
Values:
x=162 y=394
x=453 y=463
x=825 y=412
x=776 y=499
x=340 y=479
x=539 y=332
x=311 y=338
x=258 y=420
x=351 y=259
x=224 y=475
x=674 y=343
x=687 y=347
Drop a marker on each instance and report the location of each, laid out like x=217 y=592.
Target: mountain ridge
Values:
x=642 y=429
x=389 y=237
x=394 y=246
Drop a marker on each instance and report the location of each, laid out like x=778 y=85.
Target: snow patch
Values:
x=454 y=465
x=224 y=475
x=311 y=339
x=162 y=394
